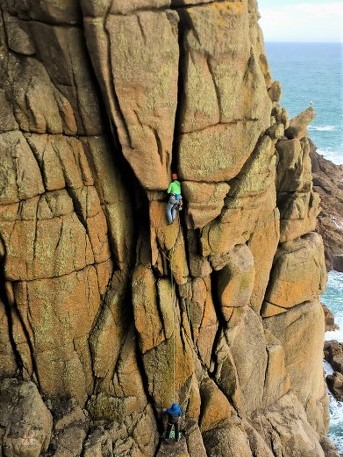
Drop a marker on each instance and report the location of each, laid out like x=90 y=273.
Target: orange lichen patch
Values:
x=220 y=12
x=232 y=7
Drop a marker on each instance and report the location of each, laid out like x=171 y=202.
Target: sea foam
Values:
x=336 y=423
x=323 y=128
x=333 y=299
x=336 y=334
x=330 y=154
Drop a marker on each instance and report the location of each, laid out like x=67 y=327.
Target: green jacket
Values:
x=174 y=187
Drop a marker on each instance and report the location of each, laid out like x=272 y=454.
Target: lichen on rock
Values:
x=107 y=314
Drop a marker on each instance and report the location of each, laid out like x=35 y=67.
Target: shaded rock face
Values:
x=329 y=320
x=333 y=353
x=328 y=183
x=106 y=312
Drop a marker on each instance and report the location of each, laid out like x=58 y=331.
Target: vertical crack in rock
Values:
x=184 y=26
x=216 y=301
x=145 y=383
x=161 y=318
x=118 y=116
x=27 y=334
x=268 y=360
x=158 y=144
x=9 y=308
x=119 y=286
x=75 y=89
x=141 y=29
x=4 y=43
x=36 y=232
x=120 y=162
x=40 y=162
x=35 y=373
x=218 y=94
x=71 y=190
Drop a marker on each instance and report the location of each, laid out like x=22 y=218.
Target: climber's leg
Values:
x=170 y=210
x=174 y=211
x=177 y=434
x=169 y=429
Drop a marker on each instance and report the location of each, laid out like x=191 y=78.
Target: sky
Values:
x=301 y=20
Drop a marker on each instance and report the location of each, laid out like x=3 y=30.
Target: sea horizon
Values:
x=304 y=42
x=310 y=74
x=311 y=78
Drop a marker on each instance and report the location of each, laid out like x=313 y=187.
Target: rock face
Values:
x=107 y=313
x=333 y=353
x=26 y=423
x=328 y=183
x=329 y=320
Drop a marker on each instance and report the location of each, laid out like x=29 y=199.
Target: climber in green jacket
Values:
x=175 y=199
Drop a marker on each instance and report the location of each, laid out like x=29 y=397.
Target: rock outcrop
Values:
x=329 y=320
x=333 y=353
x=328 y=183
x=25 y=421
x=107 y=313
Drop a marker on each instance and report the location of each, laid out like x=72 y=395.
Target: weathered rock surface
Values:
x=304 y=325
x=329 y=320
x=297 y=126
x=333 y=353
x=25 y=421
x=335 y=384
x=107 y=313
x=328 y=183
x=298 y=275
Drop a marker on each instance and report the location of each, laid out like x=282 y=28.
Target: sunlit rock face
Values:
x=108 y=314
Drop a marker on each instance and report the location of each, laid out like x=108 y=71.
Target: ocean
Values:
x=333 y=299
x=312 y=74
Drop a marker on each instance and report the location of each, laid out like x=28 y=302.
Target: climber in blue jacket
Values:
x=174 y=414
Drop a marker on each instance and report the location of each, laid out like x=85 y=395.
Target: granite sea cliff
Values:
x=107 y=314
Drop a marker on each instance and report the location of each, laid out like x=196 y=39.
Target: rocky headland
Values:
x=328 y=183
x=333 y=352
x=108 y=314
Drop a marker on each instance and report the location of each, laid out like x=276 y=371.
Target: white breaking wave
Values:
x=323 y=128
x=333 y=298
x=336 y=423
x=336 y=334
x=335 y=156
x=334 y=291
x=337 y=223
x=327 y=368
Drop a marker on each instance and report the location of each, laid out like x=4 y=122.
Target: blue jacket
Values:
x=174 y=411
